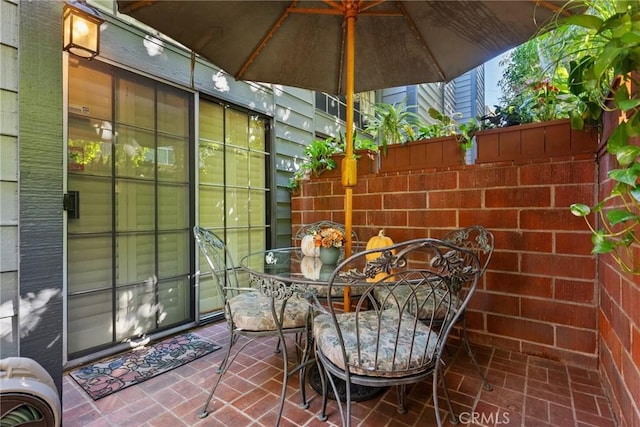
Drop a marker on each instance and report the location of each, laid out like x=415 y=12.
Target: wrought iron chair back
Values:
x=251 y=313
x=475 y=238
x=382 y=342
x=220 y=261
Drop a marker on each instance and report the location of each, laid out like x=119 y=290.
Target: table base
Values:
x=359 y=393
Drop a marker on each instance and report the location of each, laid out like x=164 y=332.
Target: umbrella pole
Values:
x=349 y=165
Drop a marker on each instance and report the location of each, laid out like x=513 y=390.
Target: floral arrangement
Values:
x=329 y=237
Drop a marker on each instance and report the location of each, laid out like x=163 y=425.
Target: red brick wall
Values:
x=543 y=292
x=539 y=293
x=618 y=321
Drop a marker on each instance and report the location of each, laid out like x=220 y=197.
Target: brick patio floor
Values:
x=527 y=391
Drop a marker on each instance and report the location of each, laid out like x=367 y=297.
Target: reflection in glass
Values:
x=135 y=153
x=135 y=104
x=128 y=157
x=172 y=119
x=89 y=321
x=136 y=309
x=239 y=173
x=135 y=205
x=172 y=159
x=174 y=298
x=256 y=133
x=211 y=212
x=92 y=267
x=211 y=163
x=135 y=258
x=86 y=152
x=170 y=244
x=95 y=204
x=173 y=206
x=236 y=128
x=237 y=204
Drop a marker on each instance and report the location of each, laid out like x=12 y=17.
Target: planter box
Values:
x=422 y=154
x=534 y=141
x=367 y=164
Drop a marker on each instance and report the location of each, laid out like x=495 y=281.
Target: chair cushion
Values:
x=251 y=311
x=406 y=358
x=426 y=300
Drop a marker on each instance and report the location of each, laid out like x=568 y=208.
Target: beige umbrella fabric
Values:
x=345 y=46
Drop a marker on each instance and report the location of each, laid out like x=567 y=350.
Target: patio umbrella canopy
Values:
x=343 y=47
x=303 y=43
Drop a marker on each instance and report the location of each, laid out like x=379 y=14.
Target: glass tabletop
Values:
x=289 y=265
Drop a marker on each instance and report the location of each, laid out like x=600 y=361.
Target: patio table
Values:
x=284 y=272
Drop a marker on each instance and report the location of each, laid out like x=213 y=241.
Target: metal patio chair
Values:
x=478 y=240
x=382 y=342
x=251 y=314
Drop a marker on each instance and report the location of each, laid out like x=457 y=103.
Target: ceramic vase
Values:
x=330 y=255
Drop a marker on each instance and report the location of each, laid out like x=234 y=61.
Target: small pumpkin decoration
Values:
x=308 y=246
x=378 y=241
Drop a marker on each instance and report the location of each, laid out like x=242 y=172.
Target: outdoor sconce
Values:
x=81 y=29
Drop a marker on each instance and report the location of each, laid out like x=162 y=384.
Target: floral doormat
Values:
x=108 y=376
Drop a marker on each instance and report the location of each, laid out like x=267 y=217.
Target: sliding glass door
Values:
x=233 y=191
x=129 y=256
x=139 y=178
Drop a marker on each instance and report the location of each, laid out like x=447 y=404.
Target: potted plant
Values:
x=324 y=156
x=392 y=124
x=317 y=158
x=365 y=152
x=462 y=132
x=439 y=144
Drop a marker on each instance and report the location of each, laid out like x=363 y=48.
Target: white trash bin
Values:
x=28 y=395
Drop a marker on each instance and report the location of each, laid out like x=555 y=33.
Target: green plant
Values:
x=392 y=124
x=467 y=132
x=366 y=144
x=317 y=159
x=502 y=116
x=448 y=126
x=444 y=125
x=546 y=101
x=359 y=144
x=615 y=52
x=536 y=84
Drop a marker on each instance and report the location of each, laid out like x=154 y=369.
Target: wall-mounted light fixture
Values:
x=81 y=29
